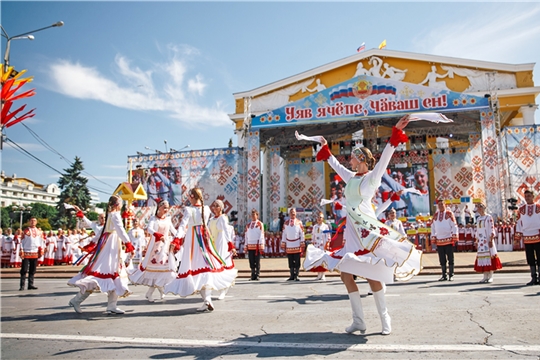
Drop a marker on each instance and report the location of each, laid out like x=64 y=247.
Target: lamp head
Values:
x=58 y=24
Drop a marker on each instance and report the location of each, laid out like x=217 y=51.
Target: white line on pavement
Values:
x=216 y=343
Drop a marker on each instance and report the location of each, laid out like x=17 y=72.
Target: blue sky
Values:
x=122 y=76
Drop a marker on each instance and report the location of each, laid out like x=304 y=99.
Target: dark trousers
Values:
x=254 y=257
x=532 y=252
x=294 y=264
x=446 y=252
x=28 y=266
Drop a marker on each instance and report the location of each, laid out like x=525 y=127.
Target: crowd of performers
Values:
x=197 y=256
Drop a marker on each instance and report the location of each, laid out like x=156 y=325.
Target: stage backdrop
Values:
x=169 y=176
x=521 y=149
x=305 y=185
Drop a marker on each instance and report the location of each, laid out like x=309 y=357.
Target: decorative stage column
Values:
x=275 y=183
x=492 y=169
x=253 y=190
x=475 y=149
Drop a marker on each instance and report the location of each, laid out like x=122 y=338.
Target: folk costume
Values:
x=158 y=267
x=444 y=232
x=487 y=260
x=103 y=272
x=528 y=231
x=254 y=246
x=294 y=243
x=16 y=260
x=371 y=249
x=59 y=257
x=201 y=269
x=222 y=233
x=7 y=244
x=136 y=235
x=50 y=250
x=31 y=250
x=320 y=236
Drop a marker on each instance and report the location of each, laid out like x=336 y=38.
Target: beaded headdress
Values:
x=358 y=154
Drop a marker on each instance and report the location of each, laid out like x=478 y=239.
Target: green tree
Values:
x=73 y=191
x=5 y=218
x=43 y=211
x=92 y=215
x=102 y=205
x=44 y=224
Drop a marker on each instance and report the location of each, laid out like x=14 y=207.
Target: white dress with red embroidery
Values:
x=486 y=255
x=105 y=271
x=50 y=250
x=201 y=266
x=371 y=250
x=158 y=267
x=16 y=260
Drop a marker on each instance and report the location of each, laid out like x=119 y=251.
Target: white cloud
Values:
x=131 y=87
x=197 y=85
x=26 y=146
x=116 y=167
x=495 y=36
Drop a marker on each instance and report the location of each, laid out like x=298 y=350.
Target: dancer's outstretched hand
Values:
x=403 y=122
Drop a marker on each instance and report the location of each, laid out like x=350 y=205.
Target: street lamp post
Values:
x=25 y=35
x=21 y=209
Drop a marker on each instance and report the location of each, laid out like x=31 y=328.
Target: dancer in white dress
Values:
x=487 y=260
x=371 y=249
x=201 y=269
x=222 y=233
x=158 y=266
x=320 y=236
x=103 y=272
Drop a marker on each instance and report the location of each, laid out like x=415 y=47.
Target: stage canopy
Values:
x=345 y=108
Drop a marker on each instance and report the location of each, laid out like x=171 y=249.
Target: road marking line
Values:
x=216 y=343
x=444 y=294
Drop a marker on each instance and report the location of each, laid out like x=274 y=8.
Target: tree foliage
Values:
x=73 y=191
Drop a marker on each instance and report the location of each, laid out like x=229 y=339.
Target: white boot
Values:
x=161 y=293
x=111 y=305
x=149 y=294
x=207 y=301
x=357 y=314
x=383 y=312
x=77 y=300
x=319 y=276
x=222 y=294
x=489 y=277
x=323 y=277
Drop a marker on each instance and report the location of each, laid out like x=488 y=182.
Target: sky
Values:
x=119 y=77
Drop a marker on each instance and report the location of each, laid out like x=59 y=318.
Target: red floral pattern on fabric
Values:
x=365 y=233
x=384 y=231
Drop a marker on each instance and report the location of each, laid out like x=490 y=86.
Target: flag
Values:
x=382 y=45
x=362 y=47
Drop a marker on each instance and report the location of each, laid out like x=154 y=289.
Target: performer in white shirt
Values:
x=31 y=250
x=50 y=249
x=294 y=243
x=444 y=232
x=7 y=245
x=528 y=230
x=320 y=236
x=136 y=235
x=254 y=244
x=395 y=223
